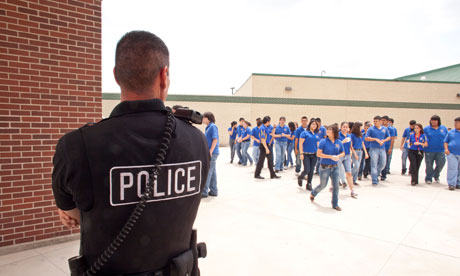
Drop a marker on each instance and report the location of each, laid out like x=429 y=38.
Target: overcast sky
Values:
x=215 y=45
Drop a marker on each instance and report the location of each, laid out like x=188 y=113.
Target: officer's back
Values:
x=101 y=170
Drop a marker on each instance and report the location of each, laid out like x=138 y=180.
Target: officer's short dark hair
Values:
x=377 y=117
x=385 y=117
x=412 y=122
x=266 y=119
x=457 y=119
x=436 y=118
x=209 y=116
x=139 y=57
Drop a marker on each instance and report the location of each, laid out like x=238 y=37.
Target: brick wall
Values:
x=50 y=83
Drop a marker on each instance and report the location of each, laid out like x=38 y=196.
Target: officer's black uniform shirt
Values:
x=101 y=170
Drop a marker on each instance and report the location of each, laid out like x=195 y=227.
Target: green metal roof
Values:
x=444 y=74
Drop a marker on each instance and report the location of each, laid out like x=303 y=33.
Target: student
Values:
x=256 y=138
x=388 y=145
x=330 y=150
x=322 y=135
x=345 y=161
x=245 y=141
x=212 y=136
x=391 y=122
x=299 y=130
x=452 y=151
x=359 y=151
x=417 y=142
x=239 y=130
x=435 y=133
x=365 y=167
x=308 y=146
x=281 y=134
x=290 y=146
x=405 y=150
x=377 y=135
x=231 y=140
x=265 y=136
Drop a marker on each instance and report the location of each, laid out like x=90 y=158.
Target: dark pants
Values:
x=366 y=164
x=232 y=149
x=415 y=159
x=309 y=162
x=260 y=163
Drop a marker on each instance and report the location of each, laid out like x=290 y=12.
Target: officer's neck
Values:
x=127 y=95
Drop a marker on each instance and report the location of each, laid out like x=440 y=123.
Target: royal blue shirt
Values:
x=435 y=138
x=453 y=141
x=310 y=144
x=265 y=133
x=233 y=136
x=282 y=129
x=322 y=132
x=211 y=132
x=239 y=131
x=246 y=131
x=270 y=128
x=256 y=134
x=380 y=133
x=298 y=132
x=406 y=134
x=356 y=141
x=346 y=146
x=367 y=144
x=330 y=148
x=392 y=131
x=413 y=139
x=292 y=135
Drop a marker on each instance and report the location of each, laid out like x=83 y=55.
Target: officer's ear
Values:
x=115 y=76
x=164 y=82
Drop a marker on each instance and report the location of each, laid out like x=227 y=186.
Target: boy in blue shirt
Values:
x=265 y=137
x=452 y=151
x=405 y=150
x=388 y=145
x=239 y=131
x=281 y=135
x=231 y=139
x=212 y=137
x=256 y=138
x=377 y=135
x=322 y=135
x=298 y=132
x=435 y=133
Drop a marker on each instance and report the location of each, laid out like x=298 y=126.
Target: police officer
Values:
x=100 y=171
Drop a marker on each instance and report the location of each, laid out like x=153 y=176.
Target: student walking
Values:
x=265 y=136
x=290 y=145
x=417 y=142
x=377 y=135
x=404 y=148
x=452 y=151
x=245 y=141
x=365 y=167
x=239 y=130
x=212 y=137
x=231 y=140
x=308 y=146
x=434 y=153
x=281 y=135
x=256 y=138
x=299 y=130
x=359 y=151
x=345 y=161
x=322 y=135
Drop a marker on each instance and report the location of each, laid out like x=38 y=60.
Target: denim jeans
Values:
x=344 y=166
x=290 y=148
x=453 y=170
x=245 y=154
x=231 y=142
x=298 y=163
x=211 y=181
x=238 y=152
x=385 y=169
x=404 y=156
x=324 y=174
x=378 y=162
x=430 y=159
x=255 y=153
x=356 y=164
x=309 y=162
x=280 y=152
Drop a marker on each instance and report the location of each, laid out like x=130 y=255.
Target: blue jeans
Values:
x=404 y=156
x=255 y=153
x=280 y=152
x=430 y=158
x=231 y=143
x=385 y=169
x=378 y=163
x=238 y=151
x=324 y=174
x=244 y=152
x=389 y=157
x=290 y=148
x=453 y=170
x=344 y=166
x=309 y=162
x=356 y=164
x=211 y=181
x=298 y=163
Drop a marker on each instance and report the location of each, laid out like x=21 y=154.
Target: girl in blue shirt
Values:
x=290 y=145
x=231 y=141
x=417 y=142
x=345 y=162
x=308 y=146
x=358 y=149
x=245 y=141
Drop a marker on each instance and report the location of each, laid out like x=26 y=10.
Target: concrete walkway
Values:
x=269 y=227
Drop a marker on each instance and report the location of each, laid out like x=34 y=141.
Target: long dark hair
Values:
x=233 y=123
x=315 y=122
x=356 y=129
x=421 y=128
x=291 y=126
x=435 y=118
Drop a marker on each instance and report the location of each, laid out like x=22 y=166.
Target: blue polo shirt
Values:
x=322 y=132
x=211 y=132
x=265 y=133
x=239 y=130
x=346 y=146
x=413 y=139
x=282 y=129
x=298 y=132
x=435 y=138
x=453 y=141
x=392 y=131
x=356 y=141
x=406 y=134
x=330 y=148
x=246 y=131
x=233 y=136
x=292 y=135
x=374 y=132
x=310 y=144
x=367 y=144
x=256 y=134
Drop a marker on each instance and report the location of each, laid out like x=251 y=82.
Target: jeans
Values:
x=260 y=163
x=280 y=152
x=244 y=153
x=415 y=159
x=430 y=159
x=324 y=174
x=453 y=170
x=356 y=164
x=405 y=154
x=378 y=162
x=298 y=163
x=290 y=148
x=344 y=166
x=309 y=162
x=232 y=149
x=238 y=152
x=385 y=170
x=317 y=165
x=255 y=153
x=211 y=181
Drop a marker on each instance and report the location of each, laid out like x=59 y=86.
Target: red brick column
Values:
x=50 y=83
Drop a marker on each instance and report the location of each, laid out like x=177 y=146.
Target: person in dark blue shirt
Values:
x=365 y=167
x=265 y=136
x=435 y=133
x=452 y=151
x=255 y=136
x=239 y=131
x=345 y=162
x=322 y=135
x=405 y=150
x=358 y=150
x=308 y=146
x=281 y=135
x=290 y=145
x=212 y=137
x=245 y=141
x=417 y=142
x=299 y=130
x=330 y=150
x=388 y=145
x=231 y=139
x=377 y=135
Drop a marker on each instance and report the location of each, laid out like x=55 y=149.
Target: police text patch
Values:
x=175 y=181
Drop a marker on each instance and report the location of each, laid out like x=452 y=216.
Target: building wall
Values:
x=50 y=83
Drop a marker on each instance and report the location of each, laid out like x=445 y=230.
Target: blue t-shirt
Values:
x=322 y=132
x=256 y=134
x=356 y=141
x=270 y=128
x=265 y=133
x=239 y=131
x=330 y=148
x=292 y=135
x=346 y=146
x=392 y=131
x=233 y=136
x=211 y=132
x=367 y=144
x=374 y=132
x=406 y=134
x=435 y=138
x=298 y=132
x=413 y=139
x=310 y=144
x=453 y=141
x=282 y=129
x=246 y=131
